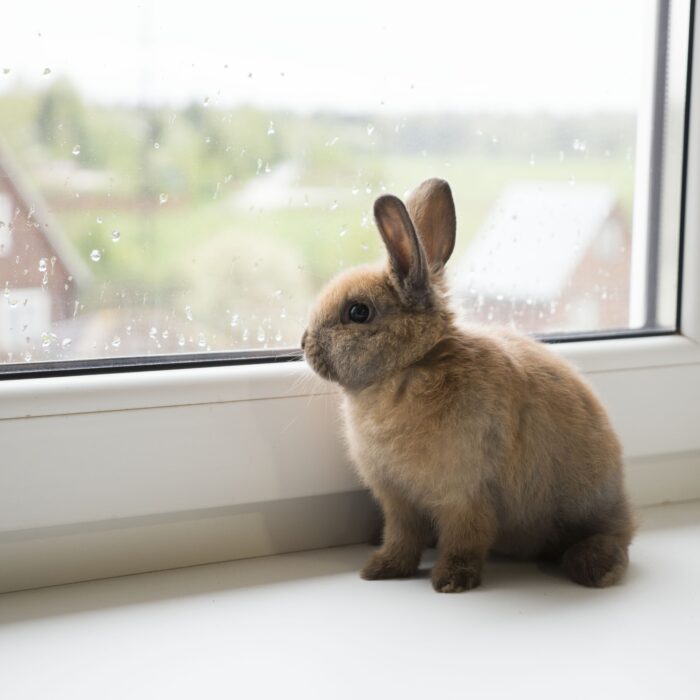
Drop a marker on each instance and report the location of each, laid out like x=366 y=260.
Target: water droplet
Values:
x=245 y=335
x=260 y=335
x=116 y=341
x=95 y=255
x=572 y=180
x=156 y=145
x=364 y=247
x=163 y=198
x=370 y=129
x=333 y=141
x=234 y=320
x=76 y=150
x=250 y=75
x=278 y=336
x=116 y=235
x=283 y=313
x=271 y=129
x=66 y=343
x=201 y=340
x=207 y=139
x=42 y=265
x=188 y=312
x=268 y=169
x=368 y=188
x=364 y=221
x=5 y=71
x=99 y=219
x=181 y=340
x=532 y=159
x=306 y=200
x=343 y=231
x=165 y=334
x=27 y=356
x=355 y=189
x=206 y=102
x=47 y=71
x=334 y=206
x=12 y=303
x=153 y=332
x=45 y=340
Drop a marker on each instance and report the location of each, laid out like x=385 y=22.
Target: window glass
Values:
x=179 y=179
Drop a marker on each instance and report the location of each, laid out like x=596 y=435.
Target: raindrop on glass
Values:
x=116 y=341
x=76 y=150
x=234 y=320
x=5 y=71
x=95 y=255
x=188 y=312
x=370 y=129
x=116 y=235
x=42 y=265
x=66 y=343
x=156 y=145
x=278 y=336
x=99 y=219
x=271 y=129
x=260 y=335
x=181 y=340
x=163 y=198
x=334 y=206
x=343 y=231
x=201 y=340
x=47 y=71
x=206 y=102
x=355 y=189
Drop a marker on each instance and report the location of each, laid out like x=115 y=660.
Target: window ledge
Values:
x=308 y=617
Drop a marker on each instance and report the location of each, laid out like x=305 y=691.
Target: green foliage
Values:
x=200 y=246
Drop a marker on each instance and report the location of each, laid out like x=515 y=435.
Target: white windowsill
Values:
x=304 y=625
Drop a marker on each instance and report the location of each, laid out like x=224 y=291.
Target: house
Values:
x=40 y=271
x=550 y=257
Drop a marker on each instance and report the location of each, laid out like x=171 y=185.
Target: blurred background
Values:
x=186 y=179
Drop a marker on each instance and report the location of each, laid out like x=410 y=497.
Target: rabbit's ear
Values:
x=432 y=210
x=406 y=254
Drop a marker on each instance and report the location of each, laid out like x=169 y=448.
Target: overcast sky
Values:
x=364 y=55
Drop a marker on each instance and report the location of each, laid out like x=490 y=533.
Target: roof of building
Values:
x=533 y=239
x=48 y=226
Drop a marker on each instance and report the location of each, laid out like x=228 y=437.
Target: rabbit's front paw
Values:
x=456 y=574
x=382 y=565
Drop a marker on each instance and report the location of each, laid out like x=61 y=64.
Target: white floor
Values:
x=305 y=625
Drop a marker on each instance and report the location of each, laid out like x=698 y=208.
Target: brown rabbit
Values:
x=482 y=436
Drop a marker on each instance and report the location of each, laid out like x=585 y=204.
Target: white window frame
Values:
x=102 y=474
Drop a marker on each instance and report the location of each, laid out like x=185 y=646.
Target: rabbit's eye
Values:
x=359 y=312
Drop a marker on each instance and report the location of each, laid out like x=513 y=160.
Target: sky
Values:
x=561 y=56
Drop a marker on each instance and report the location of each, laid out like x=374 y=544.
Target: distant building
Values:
x=40 y=271
x=549 y=257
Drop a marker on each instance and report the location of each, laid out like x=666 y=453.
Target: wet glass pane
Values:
x=178 y=178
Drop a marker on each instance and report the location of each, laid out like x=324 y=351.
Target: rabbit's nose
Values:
x=303 y=339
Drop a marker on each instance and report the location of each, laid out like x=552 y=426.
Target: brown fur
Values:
x=482 y=434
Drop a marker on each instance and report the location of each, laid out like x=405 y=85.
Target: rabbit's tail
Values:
x=597 y=561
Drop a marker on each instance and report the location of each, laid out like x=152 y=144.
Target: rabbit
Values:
x=481 y=436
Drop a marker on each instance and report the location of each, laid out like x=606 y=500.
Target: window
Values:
x=175 y=183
